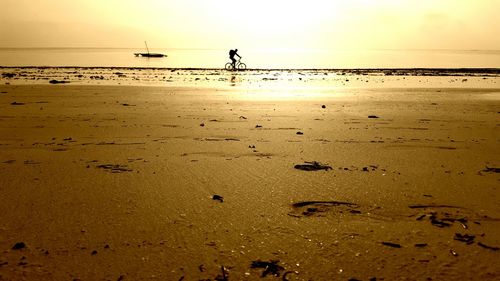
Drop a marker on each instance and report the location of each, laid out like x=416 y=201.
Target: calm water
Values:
x=264 y=59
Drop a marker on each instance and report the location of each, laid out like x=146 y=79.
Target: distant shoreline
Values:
x=360 y=71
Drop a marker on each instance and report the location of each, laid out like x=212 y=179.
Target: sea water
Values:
x=254 y=58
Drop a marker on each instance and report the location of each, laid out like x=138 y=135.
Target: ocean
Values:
x=254 y=58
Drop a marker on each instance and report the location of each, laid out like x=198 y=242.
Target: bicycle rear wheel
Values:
x=229 y=66
x=242 y=66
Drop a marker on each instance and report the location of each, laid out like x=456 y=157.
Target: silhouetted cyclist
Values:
x=233 y=53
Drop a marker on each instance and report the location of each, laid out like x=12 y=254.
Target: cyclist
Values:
x=233 y=53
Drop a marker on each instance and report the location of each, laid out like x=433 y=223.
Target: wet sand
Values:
x=118 y=182
x=255 y=78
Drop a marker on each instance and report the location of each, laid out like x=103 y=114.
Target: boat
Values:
x=148 y=54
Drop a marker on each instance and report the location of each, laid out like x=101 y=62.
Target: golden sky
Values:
x=363 y=24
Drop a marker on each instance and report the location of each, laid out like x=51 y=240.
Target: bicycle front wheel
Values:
x=229 y=66
x=242 y=66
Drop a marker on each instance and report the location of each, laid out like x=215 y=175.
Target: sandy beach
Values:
x=260 y=175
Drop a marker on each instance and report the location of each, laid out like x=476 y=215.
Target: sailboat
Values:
x=148 y=54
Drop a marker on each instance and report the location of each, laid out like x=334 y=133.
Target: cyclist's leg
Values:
x=234 y=63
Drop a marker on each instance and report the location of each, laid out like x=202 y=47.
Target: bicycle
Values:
x=239 y=65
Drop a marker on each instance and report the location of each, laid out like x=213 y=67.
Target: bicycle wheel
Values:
x=229 y=66
x=242 y=66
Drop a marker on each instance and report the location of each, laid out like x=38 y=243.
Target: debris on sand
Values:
x=8 y=75
x=323 y=106
x=319 y=208
x=114 y=168
x=439 y=223
x=312 y=166
x=218 y=198
x=222 y=277
x=488 y=247
x=270 y=267
x=54 y=81
x=491 y=170
x=19 y=246
x=16 y=103
x=466 y=238
x=390 y=244
x=300 y=133
x=201 y=268
x=333 y=203
x=445 y=220
x=373 y=116
x=442 y=218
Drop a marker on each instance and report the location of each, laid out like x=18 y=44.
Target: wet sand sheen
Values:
x=134 y=183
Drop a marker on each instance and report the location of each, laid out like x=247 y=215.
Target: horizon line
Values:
x=253 y=48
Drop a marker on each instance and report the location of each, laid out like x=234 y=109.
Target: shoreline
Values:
x=254 y=79
x=385 y=71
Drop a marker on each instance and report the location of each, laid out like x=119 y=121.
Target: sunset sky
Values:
x=364 y=24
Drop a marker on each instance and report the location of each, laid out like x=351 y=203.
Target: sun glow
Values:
x=259 y=23
x=391 y=24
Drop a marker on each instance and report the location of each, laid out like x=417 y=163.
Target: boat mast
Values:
x=146 y=46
